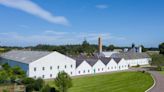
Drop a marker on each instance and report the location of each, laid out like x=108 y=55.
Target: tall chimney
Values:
x=100 y=44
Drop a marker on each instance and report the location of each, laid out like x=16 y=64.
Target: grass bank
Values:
x=115 y=82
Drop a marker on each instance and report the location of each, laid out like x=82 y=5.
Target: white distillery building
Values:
x=47 y=64
x=40 y=63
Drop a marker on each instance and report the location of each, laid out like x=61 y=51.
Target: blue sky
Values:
x=119 y=22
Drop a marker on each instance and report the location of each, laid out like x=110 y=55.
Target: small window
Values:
x=71 y=66
x=58 y=67
x=65 y=66
x=98 y=69
x=79 y=72
x=35 y=69
x=35 y=77
x=42 y=76
x=43 y=68
x=71 y=73
x=111 y=67
x=50 y=75
x=88 y=71
x=84 y=71
x=50 y=67
x=108 y=68
x=102 y=69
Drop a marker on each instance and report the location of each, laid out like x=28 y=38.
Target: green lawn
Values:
x=162 y=72
x=115 y=82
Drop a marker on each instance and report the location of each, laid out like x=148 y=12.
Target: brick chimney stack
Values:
x=100 y=44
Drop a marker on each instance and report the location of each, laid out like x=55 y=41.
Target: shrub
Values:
x=159 y=68
x=63 y=81
x=46 y=88
x=38 y=84
x=143 y=71
x=138 y=65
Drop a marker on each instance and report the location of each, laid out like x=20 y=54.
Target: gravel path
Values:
x=159 y=87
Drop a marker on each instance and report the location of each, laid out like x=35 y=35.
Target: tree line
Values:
x=76 y=49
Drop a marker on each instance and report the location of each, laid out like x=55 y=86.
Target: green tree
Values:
x=46 y=88
x=4 y=78
x=6 y=66
x=63 y=81
x=111 y=47
x=38 y=84
x=143 y=48
x=161 y=48
x=29 y=83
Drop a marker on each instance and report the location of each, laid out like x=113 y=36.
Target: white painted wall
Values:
x=98 y=67
x=122 y=65
x=53 y=60
x=84 y=68
x=135 y=62
x=111 y=66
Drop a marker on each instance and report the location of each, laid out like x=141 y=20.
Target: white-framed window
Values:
x=34 y=68
x=58 y=67
x=43 y=68
x=65 y=66
x=50 y=67
x=43 y=76
x=50 y=75
x=71 y=66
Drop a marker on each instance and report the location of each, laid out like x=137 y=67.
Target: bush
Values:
x=143 y=71
x=38 y=84
x=138 y=65
x=46 y=88
x=159 y=68
x=32 y=84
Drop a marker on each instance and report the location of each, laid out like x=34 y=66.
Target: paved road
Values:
x=159 y=87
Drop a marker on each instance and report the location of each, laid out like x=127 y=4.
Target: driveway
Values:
x=159 y=87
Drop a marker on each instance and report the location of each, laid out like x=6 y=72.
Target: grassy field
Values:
x=162 y=72
x=115 y=82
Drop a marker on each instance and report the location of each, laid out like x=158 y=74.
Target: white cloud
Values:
x=55 y=37
x=52 y=32
x=102 y=6
x=32 y=8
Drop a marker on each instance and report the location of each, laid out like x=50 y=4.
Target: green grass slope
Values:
x=115 y=82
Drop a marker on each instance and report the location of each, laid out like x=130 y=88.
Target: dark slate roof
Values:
x=105 y=60
x=117 y=60
x=130 y=55
x=24 y=56
x=92 y=61
x=78 y=62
